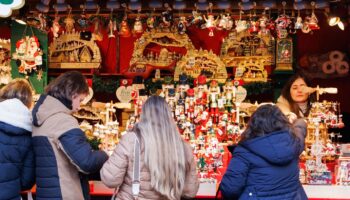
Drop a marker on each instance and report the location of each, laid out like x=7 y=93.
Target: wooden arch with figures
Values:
x=198 y=62
x=157 y=50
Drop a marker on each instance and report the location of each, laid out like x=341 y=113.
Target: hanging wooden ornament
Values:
x=111 y=29
x=138 y=28
x=196 y=17
x=111 y=26
x=182 y=25
x=97 y=26
x=150 y=21
x=222 y=22
x=56 y=26
x=167 y=17
x=124 y=29
x=83 y=20
x=241 y=25
x=124 y=26
x=5 y=57
x=312 y=21
x=263 y=20
x=210 y=21
x=282 y=23
x=28 y=55
x=69 y=21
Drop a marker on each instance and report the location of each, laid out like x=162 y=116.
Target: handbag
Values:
x=136 y=171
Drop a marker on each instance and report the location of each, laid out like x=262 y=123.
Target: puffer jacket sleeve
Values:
x=114 y=170
x=234 y=179
x=74 y=144
x=300 y=130
x=28 y=171
x=191 y=181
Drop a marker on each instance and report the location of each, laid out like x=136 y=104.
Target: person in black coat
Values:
x=265 y=164
x=16 y=153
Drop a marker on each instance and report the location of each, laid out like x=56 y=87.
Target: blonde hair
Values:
x=18 y=88
x=164 y=148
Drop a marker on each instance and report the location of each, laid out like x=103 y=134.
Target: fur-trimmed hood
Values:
x=15 y=113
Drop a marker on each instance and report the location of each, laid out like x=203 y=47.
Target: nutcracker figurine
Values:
x=229 y=93
x=181 y=90
x=171 y=100
x=201 y=91
x=166 y=86
x=190 y=103
x=214 y=92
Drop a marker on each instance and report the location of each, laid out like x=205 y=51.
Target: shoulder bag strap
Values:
x=114 y=196
x=136 y=168
x=136 y=171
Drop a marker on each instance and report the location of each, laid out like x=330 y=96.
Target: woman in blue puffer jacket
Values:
x=265 y=164
x=16 y=154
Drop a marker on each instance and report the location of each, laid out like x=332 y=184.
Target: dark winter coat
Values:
x=62 y=152
x=267 y=167
x=16 y=153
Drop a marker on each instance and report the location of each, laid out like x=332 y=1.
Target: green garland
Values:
x=152 y=87
x=106 y=85
x=110 y=85
x=257 y=88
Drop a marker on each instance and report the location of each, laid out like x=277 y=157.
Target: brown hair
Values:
x=66 y=85
x=20 y=89
x=286 y=93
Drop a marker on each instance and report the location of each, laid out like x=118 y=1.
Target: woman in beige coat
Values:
x=167 y=167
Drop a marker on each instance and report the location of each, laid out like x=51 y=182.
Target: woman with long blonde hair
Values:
x=167 y=166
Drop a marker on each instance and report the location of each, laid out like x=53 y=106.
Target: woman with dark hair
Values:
x=295 y=100
x=265 y=164
x=61 y=148
x=17 y=171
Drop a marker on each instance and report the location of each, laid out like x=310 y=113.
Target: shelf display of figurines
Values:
x=209 y=157
x=209 y=117
x=108 y=135
x=103 y=133
x=321 y=147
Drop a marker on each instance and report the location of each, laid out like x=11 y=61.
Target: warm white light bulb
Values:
x=20 y=21
x=341 y=25
x=333 y=21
